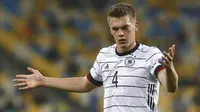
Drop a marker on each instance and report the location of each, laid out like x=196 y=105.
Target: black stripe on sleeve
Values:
x=158 y=69
x=93 y=81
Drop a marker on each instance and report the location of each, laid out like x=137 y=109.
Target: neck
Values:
x=126 y=49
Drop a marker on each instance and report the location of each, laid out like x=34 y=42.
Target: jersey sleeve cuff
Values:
x=158 y=69
x=93 y=81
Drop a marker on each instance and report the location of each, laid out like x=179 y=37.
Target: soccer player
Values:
x=130 y=72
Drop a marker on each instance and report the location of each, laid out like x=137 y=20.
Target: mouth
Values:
x=122 y=41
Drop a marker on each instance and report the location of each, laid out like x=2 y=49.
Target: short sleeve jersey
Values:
x=129 y=79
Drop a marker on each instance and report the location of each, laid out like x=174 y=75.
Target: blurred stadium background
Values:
x=61 y=38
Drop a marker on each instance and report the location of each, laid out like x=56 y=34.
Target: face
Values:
x=123 y=30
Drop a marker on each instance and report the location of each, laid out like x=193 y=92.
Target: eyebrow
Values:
x=115 y=27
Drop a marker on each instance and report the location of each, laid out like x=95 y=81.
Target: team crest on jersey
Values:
x=129 y=61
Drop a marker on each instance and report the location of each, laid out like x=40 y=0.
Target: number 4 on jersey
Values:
x=114 y=80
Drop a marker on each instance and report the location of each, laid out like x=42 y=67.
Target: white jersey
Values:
x=129 y=79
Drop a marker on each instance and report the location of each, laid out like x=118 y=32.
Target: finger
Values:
x=23 y=88
x=21 y=76
x=169 y=58
x=31 y=69
x=173 y=49
x=19 y=80
x=20 y=84
x=166 y=61
x=170 y=51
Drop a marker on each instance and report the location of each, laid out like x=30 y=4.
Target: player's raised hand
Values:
x=29 y=81
x=167 y=59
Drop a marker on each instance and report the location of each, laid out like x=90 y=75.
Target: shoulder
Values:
x=108 y=49
x=148 y=49
x=150 y=52
x=106 y=52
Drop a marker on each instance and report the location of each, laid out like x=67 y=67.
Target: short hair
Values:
x=122 y=9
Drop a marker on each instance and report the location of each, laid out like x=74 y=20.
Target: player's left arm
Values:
x=168 y=76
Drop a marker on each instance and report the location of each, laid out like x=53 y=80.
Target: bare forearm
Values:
x=172 y=80
x=75 y=84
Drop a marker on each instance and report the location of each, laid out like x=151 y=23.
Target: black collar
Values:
x=128 y=52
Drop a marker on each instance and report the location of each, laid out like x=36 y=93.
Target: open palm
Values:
x=29 y=81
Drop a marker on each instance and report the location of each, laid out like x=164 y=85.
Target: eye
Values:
x=115 y=28
x=125 y=27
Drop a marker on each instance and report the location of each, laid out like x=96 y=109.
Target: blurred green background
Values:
x=61 y=38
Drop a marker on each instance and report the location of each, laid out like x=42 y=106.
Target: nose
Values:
x=120 y=33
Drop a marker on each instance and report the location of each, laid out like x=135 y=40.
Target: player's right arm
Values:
x=36 y=79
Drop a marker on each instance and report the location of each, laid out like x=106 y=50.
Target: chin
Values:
x=124 y=46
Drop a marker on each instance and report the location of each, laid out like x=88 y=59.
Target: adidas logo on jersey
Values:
x=107 y=66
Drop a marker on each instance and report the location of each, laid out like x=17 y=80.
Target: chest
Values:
x=125 y=71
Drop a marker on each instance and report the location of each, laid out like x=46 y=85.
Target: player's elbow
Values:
x=172 y=90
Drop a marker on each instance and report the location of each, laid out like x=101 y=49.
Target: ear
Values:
x=136 y=25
